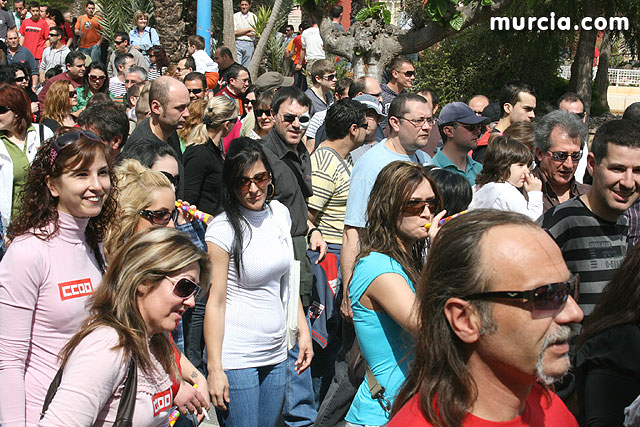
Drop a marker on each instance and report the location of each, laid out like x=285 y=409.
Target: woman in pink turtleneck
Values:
x=51 y=267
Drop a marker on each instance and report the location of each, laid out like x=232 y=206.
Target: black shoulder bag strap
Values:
x=124 y=416
x=303 y=186
x=41 y=127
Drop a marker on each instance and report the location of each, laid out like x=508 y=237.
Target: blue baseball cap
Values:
x=459 y=112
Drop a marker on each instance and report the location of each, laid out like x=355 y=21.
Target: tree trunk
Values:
x=228 y=33
x=582 y=67
x=170 y=27
x=371 y=45
x=258 y=53
x=602 y=75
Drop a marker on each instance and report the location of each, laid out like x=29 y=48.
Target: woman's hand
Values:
x=305 y=352
x=218 y=388
x=35 y=107
x=435 y=225
x=185 y=216
x=532 y=183
x=189 y=400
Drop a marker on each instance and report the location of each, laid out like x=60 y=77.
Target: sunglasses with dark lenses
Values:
x=330 y=77
x=261 y=180
x=562 y=156
x=54 y=35
x=409 y=73
x=183 y=288
x=20 y=79
x=96 y=78
x=70 y=137
x=175 y=180
x=416 y=207
x=195 y=91
x=260 y=113
x=364 y=125
x=160 y=217
x=581 y=115
x=4 y=109
x=549 y=297
x=119 y=42
x=72 y=93
x=290 y=118
x=471 y=128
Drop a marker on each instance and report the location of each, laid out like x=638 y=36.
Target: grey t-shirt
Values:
x=6 y=23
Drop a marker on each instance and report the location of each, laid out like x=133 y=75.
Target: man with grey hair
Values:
x=558 y=141
x=135 y=76
x=123 y=62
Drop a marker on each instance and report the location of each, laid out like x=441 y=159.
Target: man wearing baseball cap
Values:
x=272 y=80
x=460 y=128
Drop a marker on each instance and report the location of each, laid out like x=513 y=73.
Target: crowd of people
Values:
x=180 y=241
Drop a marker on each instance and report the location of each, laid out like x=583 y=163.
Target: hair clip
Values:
x=207 y=120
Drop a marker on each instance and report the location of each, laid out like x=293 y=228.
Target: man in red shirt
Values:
x=496 y=311
x=34 y=32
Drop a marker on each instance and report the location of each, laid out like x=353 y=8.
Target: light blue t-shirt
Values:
x=385 y=345
x=364 y=174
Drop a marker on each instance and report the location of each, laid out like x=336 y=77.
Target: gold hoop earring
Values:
x=273 y=190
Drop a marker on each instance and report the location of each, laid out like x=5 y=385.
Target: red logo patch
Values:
x=75 y=289
x=161 y=401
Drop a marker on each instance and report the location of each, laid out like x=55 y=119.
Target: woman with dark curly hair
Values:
x=158 y=62
x=95 y=81
x=52 y=266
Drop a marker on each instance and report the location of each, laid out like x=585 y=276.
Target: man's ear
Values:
x=463 y=319
x=155 y=107
x=448 y=130
x=591 y=163
x=507 y=108
x=538 y=155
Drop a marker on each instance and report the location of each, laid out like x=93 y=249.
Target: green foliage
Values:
x=375 y=10
x=117 y=15
x=61 y=5
x=478 y=60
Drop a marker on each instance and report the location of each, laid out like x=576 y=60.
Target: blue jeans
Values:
x=255 y=396
x=93 y=52
x=299 y=403
x=244 y=49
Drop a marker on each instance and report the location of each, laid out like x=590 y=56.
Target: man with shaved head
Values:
x=168 y=102
x=478 y=103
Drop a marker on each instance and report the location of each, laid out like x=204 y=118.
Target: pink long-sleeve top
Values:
x=44 y=286
x=93 y=382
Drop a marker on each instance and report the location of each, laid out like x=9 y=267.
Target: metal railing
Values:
x=617 y=76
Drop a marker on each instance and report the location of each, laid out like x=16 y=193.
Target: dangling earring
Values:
x=273 y=190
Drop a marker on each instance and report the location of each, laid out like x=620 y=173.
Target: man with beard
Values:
x=168 y=103
x=494 y=332
x=591 y=229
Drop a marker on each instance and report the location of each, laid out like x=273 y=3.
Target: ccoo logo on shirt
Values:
x=75 y=289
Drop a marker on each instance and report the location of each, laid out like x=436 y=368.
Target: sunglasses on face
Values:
x=330 y=77
x=119 y=42
x=195 y=91
x=260 y=113
x=302 y=119
x=416 y=207
x=4 y=109
x=175 y=180
x=248 y=101
x=20 y=79
x=581 y=115
x=261 y=180
x=54 y=35
x=364 y=125
x=183 y=288
x=549 y=297
x=96 y=78
x=72 y=93
x=470 y=128
x=160 y=217
x=409 y=73
x=561 y=156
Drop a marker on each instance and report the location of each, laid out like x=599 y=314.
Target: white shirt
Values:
x=506 y=197
x=241 y=21
x=204 y=63
x=312 y=43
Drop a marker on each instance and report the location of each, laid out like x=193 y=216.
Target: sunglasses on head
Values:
x=4 y=109
x=183 y=288
x=261 y=180
x=175 y=180
x=160 y=217
x=561 y=156
x=416 y=207
x=96 y=78
x=69 y=138
x=549 y=297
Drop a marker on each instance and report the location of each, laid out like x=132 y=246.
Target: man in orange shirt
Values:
x=88 y=29
x=293 y=51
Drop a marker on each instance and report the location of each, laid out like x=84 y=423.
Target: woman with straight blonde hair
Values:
x=204 y=155
x=61 y=97
x=145 y=198
x=196 y=114
x=138 y=303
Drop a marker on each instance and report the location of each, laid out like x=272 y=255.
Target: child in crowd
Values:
x=505 y=170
